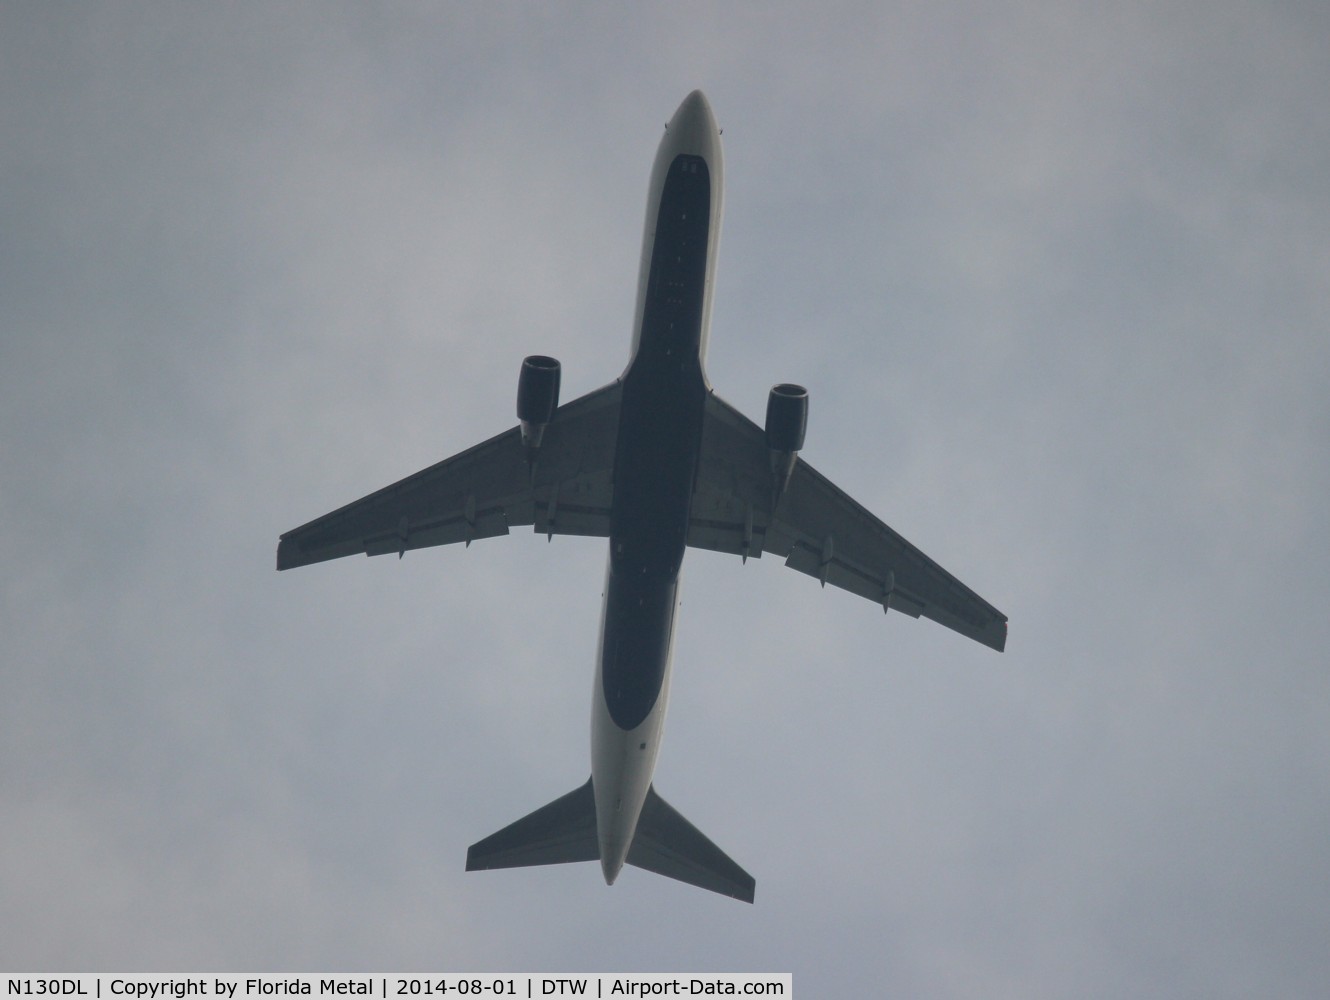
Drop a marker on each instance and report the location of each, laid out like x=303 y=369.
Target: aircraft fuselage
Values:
x=660 y=428
x=654 y=462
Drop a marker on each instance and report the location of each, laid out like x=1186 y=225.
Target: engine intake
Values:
x=537 y=399
x=787 y=422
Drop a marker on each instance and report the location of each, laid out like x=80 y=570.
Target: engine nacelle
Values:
x=787 y=422
x=537 y=399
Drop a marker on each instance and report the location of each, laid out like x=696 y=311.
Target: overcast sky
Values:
x=1057 y=277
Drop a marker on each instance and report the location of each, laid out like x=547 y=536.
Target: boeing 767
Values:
x=655 y=462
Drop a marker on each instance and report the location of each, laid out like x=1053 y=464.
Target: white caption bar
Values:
x=391 y=986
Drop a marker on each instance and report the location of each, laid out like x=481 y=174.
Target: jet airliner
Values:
x=655 y=462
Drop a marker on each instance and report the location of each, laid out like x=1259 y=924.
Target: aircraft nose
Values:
x=693 y=123
x=695 y=105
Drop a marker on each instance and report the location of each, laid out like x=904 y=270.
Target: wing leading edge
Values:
x=820 y=530
x=482 y=492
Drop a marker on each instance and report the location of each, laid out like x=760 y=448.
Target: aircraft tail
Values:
x=669 y=845
x=565 y=831
x=555 y=834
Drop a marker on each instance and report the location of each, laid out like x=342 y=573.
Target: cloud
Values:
x=1055 y=281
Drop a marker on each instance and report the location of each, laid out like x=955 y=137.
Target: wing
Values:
x=820 y=531
x=482 y=492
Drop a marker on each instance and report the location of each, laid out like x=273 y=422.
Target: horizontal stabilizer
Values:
x=669 y=845
x=563 y=831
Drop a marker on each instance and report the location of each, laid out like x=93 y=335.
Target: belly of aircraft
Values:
x=660 y=429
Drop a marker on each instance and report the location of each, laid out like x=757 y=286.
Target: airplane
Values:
x=655 y=462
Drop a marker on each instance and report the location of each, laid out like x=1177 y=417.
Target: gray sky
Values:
x=1057 y=277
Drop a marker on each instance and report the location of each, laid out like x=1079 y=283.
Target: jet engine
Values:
x=537 y=399
x=787 y=420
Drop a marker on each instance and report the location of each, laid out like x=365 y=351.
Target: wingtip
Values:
x=291 y=555
x=286 y=555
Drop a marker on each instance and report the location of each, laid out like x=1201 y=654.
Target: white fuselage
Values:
x=665 y=385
